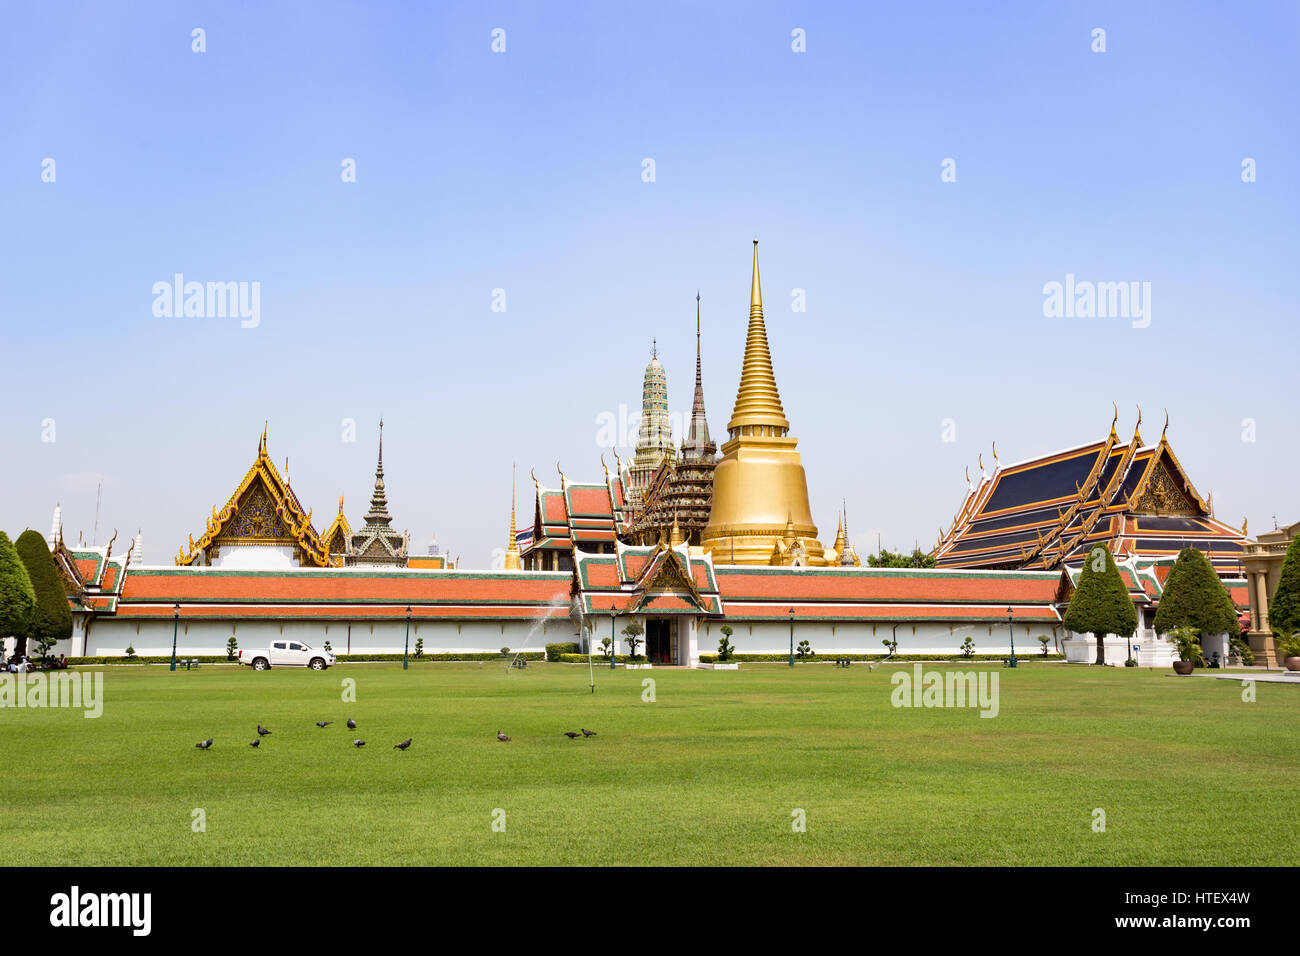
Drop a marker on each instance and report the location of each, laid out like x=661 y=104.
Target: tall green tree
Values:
x=17 y=598
x=1194 y=597
x=1101 y=604
x=1284 y=609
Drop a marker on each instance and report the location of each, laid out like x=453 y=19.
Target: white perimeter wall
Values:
x=110 y=637
x=773 y=637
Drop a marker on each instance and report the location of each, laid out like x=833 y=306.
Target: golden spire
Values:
x=757 y=400
x=676 y=539
x=512 y=548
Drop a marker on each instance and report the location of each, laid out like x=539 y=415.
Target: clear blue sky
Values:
x=523 y=171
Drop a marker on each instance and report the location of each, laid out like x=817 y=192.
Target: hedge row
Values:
x=597 y=659
x=785 y=658
x=490 y=656
x=555 y=651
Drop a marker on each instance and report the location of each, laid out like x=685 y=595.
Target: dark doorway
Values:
x=659 y=641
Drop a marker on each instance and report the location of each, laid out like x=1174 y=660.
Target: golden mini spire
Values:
x=676 y=539
x=758 y=402
x=512 y=562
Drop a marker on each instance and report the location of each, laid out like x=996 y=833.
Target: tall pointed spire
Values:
x=378 y=513
x=698 y=443
x=758 y=402
x=512 y=562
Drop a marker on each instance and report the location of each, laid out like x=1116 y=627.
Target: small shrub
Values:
x=967 y=647
x=804 y=650
x=419 y=647
x=1044 y=640
x=725 y=648
x=891 y=645
x=232 y=648
x=1288 y=644
x=1241 y=650
x=130 y=653
x=554 y=651
x=1187 y=643
x=633 y=634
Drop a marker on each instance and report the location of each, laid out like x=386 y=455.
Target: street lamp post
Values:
x=792 y=637
x=612 y=614
x=1012 y=628
x=407 y=642
x=176 y=621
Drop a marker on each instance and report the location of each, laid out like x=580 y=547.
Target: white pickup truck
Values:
x=287 y=654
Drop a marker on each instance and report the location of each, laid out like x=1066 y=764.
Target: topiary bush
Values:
x=50 y=620
x=17 y=597
x=1194 y=597
x=555 y=651
x=1101 y=604
x=1284 y=609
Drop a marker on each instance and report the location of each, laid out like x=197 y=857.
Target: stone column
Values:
x=1261 y=585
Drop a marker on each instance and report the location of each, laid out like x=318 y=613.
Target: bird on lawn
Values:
x=205 y=745
x=262 y=731
x=404 y=744
x=588 y=733
x=323 y=723
x=358 y=743
x=256 y=743
x=352 y=724
x=571 y=734
x=502 y=737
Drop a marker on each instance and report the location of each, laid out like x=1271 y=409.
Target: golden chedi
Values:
x=760 y=512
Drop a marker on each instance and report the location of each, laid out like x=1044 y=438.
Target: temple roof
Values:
x=275 y=514
x=662 y=580
x=1046 y=512
x=352 y=594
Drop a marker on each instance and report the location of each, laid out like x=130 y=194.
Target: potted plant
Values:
x=1186 y=641
x=1288 y=649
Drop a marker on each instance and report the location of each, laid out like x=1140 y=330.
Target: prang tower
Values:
x=760 y=512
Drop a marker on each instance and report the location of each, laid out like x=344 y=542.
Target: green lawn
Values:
x=709 y=773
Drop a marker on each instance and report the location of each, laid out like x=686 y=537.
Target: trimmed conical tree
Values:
x=1284 y=609
x=17 y=599
x=51 y=620
x=1194 y=596
x=1101 y=604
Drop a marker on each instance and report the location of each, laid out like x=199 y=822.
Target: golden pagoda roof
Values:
x=758 y=402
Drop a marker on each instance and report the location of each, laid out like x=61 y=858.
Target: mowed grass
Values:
x=709 y=773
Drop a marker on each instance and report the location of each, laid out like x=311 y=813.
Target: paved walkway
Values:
x=1268 y=677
